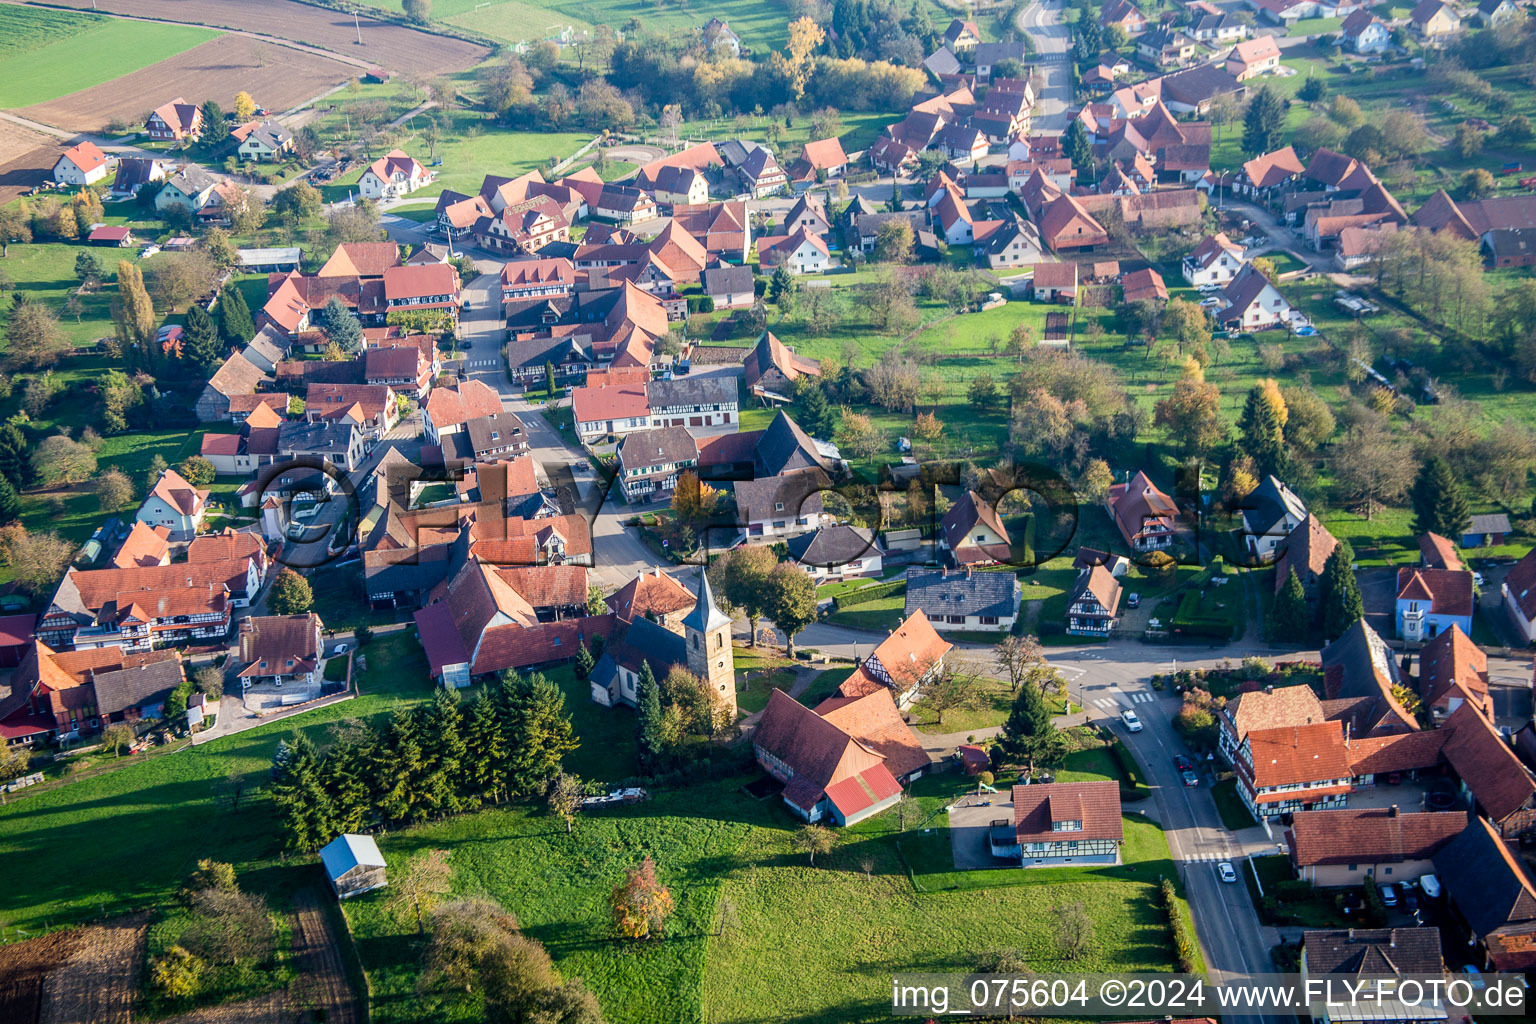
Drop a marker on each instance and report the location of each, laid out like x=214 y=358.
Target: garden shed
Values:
x=353 y=864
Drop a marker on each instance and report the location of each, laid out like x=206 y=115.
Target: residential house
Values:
x=263 y=140
x=1218 y=27
x=1166 y=48
x=1146 y=517
x=1305 y=552
x=1093 y=602
x=1361 y=673
x=614 y=409
x=1060 y=823
x=145 y=545
x=1486 y=530
x=1065 y=224
x=187 y=190
x=431 y=287
x=1519 y=596
x=1492 y=775
x=1144 y=285
x=1344 y=847
x=820 y=160
x=524 y=228
x=722 y=228
x=133 y=173
x=391 y=176
x=1251 y=303
x=522 y=280
x=962 y=36
x=1380 y=958
x=143 y=608
x=1270 y=513
x=837 y=552
x=624 y=204
x=782 y=448
x=281 y=649
x=406 y=365
x=964 y=599
x=650 y=462
x=1491 y=896
x=372 y=408
x=1430 y=601
x=1358 y=246
x=1435 y=20
x=1125 y=14
x=1437 y=552
x=1453 y=671
x=692 y=401
x=1267 y=173
x=82 y=164
x=972 y=533
x=238 y=377
x=801 y=252
x=1054 y=282
x=909 y=658
x=783 y=504
x=1293 y=768
x=250 y=448
x=718 y=36
x=1364 y=33
x=176 y=121
x=680 y=185
x=174 y=504
x=1498 y=13
x=987 y=56
x=1271 y=707
x=728 y=286
x=353 y=865
x=449 y=408
x=54 y=694
x=337 y=441
x=497 y=437
x=771 y=368
x=1253 y=57
x=1215 y=261
x=807 y=213
x=762 y=174
x=1011 y=244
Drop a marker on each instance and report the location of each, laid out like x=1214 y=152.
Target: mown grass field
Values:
x=45 y=54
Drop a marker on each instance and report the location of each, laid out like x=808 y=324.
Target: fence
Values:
x=560 y=167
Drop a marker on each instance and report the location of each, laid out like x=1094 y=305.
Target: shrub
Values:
x=864 y=595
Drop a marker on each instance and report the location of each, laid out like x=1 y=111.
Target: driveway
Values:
x=970 y=819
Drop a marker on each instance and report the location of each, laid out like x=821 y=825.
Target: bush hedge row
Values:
x=864 y=595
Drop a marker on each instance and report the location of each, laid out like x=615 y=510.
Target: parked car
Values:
x=1183 y=763
x=1389 y=895
x=1431 y=885
x=339 y=649
x=1133 y=601
x=1226 y=872
x=1132 y=723
x=1189 y=777
x=1477 y=578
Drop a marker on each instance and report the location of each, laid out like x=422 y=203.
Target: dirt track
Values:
x=24 y=965
x=276 y=76
x=391 y=46
x=98 y=983
x=322 y=981
x=28 y=159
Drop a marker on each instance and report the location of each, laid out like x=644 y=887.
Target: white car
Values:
x=1226 y=871
x=339 y=649
x=1477 y=578
x=1132 y=723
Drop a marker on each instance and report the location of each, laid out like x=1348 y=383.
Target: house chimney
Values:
x=1392 y=811
x=1269 y=687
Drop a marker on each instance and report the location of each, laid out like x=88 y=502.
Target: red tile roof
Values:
x=1373 y=835
x=1486 y=764
x=1305 y=549
x=1293 y=755
x=174 y=490
x=1095 y=804
x=1439 y=552
x=614 y=402
x=456 y=404
x=1449 y=591
x=147 y=545
x=874 y=721
x=650 y=593
x=86 y=155
x=962 y=518
x=548 y=586
x=1452 y=666
x=1399 y=752
x=817 y=752
x=420 y=282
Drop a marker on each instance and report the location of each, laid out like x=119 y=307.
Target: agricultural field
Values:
x=278 y=76
x=45 y=54
x=28 y=158
x=392 y=46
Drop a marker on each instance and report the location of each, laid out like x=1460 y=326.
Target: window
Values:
x=989 y=620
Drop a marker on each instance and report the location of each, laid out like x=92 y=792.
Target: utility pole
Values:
x=356 y=23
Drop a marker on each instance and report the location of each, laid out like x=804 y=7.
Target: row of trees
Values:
x=751 y=580
x=437 y=759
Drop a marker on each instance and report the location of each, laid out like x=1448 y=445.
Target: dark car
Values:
x=1189 y=777
x=1183 y=763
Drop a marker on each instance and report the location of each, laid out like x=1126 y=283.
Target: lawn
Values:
x=126 y=839
x=759 y=672
x=1314 y=909
x=46 y=271
x=994 y=702
x=880 y=614
x=1235 y=816
x=46 y=54
x=341 y=600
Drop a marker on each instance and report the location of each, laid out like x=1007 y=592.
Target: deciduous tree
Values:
x=814 y=839
x=791 y=602
x=641 y=904
x=34 y=339
x=291 y=594
x=420 y=885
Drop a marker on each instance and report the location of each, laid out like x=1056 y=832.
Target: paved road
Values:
x=1041 y=21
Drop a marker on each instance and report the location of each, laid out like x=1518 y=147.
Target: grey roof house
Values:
x=964 y=599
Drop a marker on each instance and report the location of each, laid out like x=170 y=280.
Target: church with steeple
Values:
x=700 y=642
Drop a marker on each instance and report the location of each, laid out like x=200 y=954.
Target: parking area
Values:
x=969 y=820
x=266 y=698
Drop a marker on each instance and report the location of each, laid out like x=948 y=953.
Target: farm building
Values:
x=353 y=864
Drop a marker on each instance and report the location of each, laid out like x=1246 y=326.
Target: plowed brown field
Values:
x=387 y=45
x=276 y=76
x=27 y=158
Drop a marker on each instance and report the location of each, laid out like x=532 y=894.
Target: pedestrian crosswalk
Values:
x=1208 y=856
x=481 y=363
x=1109 y=703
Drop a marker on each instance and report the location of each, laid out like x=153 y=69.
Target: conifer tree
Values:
x=540 y=737
x=584 y=661
x=235 y=316
x=648 y=725
x=1439 y=506
x=443 y=745
x=401 y=767
x=1078 y=149
x=348 y=779
x=485 y=750
x=1290 y=620
x=1263 y=433
x=201 y=349
x=299 y=794
x=1030 y=717
x=15 y=456
x=1342 y=605
x=10 y=502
